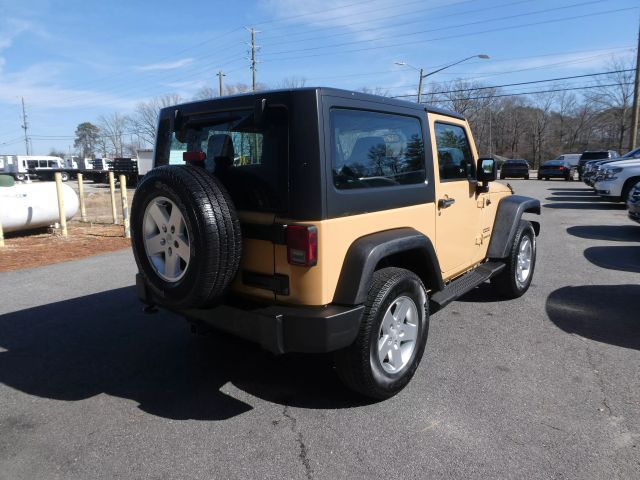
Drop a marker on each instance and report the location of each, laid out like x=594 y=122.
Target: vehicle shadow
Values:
x=614 y=233
x=574 y=198
x=575 y=192
x=483 y=293
x=586 y=206
x=570 y=189
x=104 y=343
x=625 y=259
x=604 y=313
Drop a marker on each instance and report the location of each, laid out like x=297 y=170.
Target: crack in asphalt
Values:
x=303 y=455
x=599 y=381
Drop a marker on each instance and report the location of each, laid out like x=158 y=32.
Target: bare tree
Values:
x=205 y=93
x=292 y=82
x=145 y=116
x=113 y=127
x=375 y=91
x=614 y=95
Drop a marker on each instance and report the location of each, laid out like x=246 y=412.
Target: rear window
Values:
x=250 y=160
x=553 y=163
x=520 y=163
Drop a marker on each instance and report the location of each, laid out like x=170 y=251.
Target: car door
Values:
x=457 y=218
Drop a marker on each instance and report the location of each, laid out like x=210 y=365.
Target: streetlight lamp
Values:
x=425 y=75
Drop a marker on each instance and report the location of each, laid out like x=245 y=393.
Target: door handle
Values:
x=446 y=202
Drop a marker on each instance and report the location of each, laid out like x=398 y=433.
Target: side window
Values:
x=455 y=161
x=372 y=149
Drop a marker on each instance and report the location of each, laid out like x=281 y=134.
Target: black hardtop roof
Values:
x=336 y=92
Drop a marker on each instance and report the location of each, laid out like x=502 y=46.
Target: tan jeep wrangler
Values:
x=323 y=220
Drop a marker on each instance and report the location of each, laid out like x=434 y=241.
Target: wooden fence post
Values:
x=83 y=210
x=112 y=189
x=63 y=217
x=125 y=206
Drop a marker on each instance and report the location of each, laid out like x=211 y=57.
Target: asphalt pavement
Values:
x=545 y=386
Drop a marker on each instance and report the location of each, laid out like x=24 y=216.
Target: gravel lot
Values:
x=546 y=386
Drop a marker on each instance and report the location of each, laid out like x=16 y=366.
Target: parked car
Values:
x=618 y=178
x=633 y=203
x=555 y=169
x=594 y=155
x=515 y=168
x=571 y=158
x=594 y=169
x=299 y=251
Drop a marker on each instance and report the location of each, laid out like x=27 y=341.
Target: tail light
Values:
x=561 y=168
x=193 y=157
x=302 y=245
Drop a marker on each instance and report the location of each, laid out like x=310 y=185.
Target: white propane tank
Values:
x=33 y=205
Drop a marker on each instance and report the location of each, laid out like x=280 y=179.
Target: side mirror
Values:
x=487 y=171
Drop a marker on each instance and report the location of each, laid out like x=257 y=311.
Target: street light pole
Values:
x=425 y=75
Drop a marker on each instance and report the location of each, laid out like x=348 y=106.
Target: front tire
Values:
x=516 y=278
x=392 y=337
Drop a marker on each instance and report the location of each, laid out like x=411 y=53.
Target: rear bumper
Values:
x=277 y=328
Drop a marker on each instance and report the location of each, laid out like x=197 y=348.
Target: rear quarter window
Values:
x=372 y=149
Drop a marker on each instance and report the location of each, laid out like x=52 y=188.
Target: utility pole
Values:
x=253 y=56
x=633 y=134
x=220 y=74
x=420 y=86
x=25 y=127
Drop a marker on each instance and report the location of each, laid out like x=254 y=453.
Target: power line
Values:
x=556 y=20
x=523 y=83
x=526 y=14
x=369 y=20
x=533 y=92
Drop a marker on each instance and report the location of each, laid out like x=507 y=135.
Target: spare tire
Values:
x=185 y=236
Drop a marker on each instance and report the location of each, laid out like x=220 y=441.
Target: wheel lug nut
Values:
x=164 y=228
x=173 y=229
x=162 y=241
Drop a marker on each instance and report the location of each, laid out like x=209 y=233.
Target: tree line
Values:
x=536 y=127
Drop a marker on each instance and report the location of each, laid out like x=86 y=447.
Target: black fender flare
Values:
x=368 y=251
x=510 y=210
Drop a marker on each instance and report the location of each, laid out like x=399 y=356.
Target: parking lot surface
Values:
x=545 y=386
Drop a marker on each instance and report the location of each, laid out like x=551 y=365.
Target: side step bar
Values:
x=465 y=283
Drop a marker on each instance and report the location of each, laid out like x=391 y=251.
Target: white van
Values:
x=571 y=158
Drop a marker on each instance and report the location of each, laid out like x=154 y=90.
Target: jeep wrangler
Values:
x=324 y=220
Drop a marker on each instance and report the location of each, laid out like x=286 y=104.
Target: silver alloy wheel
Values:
x=398 y=335
x=525 y=252
x=166 y=239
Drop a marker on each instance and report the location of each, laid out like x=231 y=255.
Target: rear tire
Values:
x=185 y=236
x=516 y=278
x=526 y=177
x=64 y=176
x=392 y=338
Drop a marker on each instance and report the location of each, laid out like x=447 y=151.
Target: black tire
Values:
x=626 y=188
x=213 y=230
x=64 y=176
x=20 y=176
x=506 y=282
x=566 y=178
x=358 y=365
x=539 y=177
x=526 y=177
x=501 y=177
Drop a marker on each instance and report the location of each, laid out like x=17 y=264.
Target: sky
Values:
x=73 y=61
